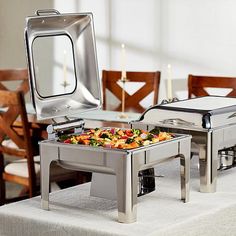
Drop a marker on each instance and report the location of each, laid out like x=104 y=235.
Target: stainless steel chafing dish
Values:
x=64 y=81
x=210 y=120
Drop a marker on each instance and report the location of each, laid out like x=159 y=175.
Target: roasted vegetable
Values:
x=150 y=137
x=155 y=131
x=129 y=140
x=63 y=137
x=104 y=135
x=136 y=131
x=116 y=138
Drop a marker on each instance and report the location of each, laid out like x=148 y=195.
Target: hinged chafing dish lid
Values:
x=201 y=112
x=62 y=62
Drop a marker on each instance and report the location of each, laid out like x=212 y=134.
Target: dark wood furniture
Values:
x=151 y=82
x=15 y=75
x=198 y=83
x=13 y=102
x=22 y=141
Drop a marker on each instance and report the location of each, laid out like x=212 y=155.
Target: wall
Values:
x=134 y=23
x=197 y=37
x=12 y=24
x=194 y=36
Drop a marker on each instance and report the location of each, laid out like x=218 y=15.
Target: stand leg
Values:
x=184 y=176
x=127 y=179
x=47 y=155
x=185 y=169
x=208 y=161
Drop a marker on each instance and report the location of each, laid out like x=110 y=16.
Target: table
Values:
x=94 y=115
x=125 y=164
x=160 y=213
x=93 y=119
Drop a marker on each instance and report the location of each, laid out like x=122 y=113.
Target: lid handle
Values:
x=177 y=121
x=47 y=12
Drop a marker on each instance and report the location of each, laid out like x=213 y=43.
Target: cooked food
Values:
x=116 y=138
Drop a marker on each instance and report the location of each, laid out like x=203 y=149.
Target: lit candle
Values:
x=169 y=82
x=123 y=71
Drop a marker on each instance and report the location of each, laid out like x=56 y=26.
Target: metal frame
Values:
x=125 y=164
x=210 y=142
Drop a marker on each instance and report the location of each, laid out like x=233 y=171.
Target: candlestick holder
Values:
x=123 y=115
x=65 y=84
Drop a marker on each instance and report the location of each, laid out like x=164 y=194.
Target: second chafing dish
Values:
x=210 y=120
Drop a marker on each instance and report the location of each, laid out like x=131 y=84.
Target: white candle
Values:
x=123 y=62
x=65 y=67
x=169 y=82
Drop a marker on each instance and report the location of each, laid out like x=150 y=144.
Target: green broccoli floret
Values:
x=93 y=142
x=136 y=131
x=150 y=137
x=129 y=140
x=63 y=137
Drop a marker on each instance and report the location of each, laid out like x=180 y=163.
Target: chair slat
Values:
x=198 y=83
x=132 y=102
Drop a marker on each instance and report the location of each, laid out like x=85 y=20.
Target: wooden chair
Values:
x=17 y=80
x=19 y=139
x=197 y=85
x=151 y=82
x=13 y=143
x=15 y=75
x=17 y=145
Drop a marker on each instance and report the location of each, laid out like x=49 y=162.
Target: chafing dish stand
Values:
x=125 y=164
x=210 y=120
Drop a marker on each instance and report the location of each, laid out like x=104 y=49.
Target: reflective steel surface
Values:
x=125 y=164
x=209 y=142
x=201 y=113
x=62 y=60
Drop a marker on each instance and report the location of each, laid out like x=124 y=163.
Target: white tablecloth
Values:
x=100 y=115
x=103 y=115
x=74 y=212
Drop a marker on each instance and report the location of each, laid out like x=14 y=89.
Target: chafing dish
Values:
x=211 y=121
x=64 y=81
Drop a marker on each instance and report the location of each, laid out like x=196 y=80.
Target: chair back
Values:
x=14 y=126
x=13 y=110
x=14 y=75
x=197 y=85
x=110 y=82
